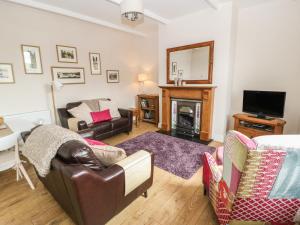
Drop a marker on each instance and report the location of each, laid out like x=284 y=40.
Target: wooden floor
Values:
x=171 y=200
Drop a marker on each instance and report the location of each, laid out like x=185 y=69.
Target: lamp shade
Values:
x=142 y=77
x=57 y=85
x=132 y=9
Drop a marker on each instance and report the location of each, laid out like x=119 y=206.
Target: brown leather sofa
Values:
x=90 y=193
x=101 y=130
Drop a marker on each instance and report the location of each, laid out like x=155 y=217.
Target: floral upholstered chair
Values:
x=253 y=183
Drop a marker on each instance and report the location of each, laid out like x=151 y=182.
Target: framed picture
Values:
x=180 y=73
x=95 y=62
x=6 y=73
x=66 y=54
x=113 y=76
x=174 y=68
x=32 y=59
x=68 y=75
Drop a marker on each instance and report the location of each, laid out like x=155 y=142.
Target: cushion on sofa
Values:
x=113 y=108
x=82 y=112
x=108 y=155
x=75 y=152
x=94 y=142
x=93 y=104
x=101 y=116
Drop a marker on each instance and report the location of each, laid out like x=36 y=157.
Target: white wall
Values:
x=125 y=52
x=203 y=26
x=268 y=55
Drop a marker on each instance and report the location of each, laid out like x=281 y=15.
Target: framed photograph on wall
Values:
x=95 y=63
x=174 y=68
x=66 y=54
x=68 y=75
x=113 y=76
x=6 y=73
x=32 y=59
x=180 y=73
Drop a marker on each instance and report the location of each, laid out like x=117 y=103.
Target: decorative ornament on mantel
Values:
x=132 y=10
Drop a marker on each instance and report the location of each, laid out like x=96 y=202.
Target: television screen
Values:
x=264 y=103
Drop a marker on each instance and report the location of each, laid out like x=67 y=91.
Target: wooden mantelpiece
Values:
x=204 y=93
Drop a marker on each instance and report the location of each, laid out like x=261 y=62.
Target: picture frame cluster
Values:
x=32 y=61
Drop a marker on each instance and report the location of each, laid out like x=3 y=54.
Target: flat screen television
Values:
x=264 y=103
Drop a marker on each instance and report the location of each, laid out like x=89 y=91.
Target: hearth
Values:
x=186 y=116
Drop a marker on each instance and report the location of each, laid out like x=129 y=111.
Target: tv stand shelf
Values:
x=253 y=127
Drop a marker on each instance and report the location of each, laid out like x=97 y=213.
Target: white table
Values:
x=9 y=158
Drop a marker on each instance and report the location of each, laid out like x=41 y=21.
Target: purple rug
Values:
x=178 y=156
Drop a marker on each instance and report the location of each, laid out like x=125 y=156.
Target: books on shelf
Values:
x=144 y=103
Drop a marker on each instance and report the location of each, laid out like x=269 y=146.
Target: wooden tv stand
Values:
x=253 y=127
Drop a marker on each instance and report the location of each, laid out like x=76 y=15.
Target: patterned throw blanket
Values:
x=43 y=143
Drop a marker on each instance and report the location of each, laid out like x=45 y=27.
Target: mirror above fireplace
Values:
x=191 y=63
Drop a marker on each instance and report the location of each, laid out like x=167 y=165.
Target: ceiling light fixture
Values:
x=132 y=10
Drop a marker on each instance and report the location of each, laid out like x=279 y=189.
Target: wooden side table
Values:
x=136 y=113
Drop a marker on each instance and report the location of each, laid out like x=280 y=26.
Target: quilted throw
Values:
x=259 y=186
x=43 y=143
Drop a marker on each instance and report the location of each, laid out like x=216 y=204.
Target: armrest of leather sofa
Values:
x=138 y=169
x=63 y=116
x=125 y=113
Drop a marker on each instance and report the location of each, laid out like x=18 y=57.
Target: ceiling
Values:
x=107 y=12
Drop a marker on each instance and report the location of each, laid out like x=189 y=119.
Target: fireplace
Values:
x=186 y=115
x=203 y=94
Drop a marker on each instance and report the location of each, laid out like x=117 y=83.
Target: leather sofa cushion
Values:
x=119 y=122
x=101 y=127
x=75 y=152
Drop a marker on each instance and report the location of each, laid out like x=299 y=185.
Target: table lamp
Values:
x=142 y=77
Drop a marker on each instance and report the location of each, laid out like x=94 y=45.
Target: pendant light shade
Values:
x=132 y=10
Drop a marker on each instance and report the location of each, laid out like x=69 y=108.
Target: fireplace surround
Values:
x=186 y=116
x=202 y=93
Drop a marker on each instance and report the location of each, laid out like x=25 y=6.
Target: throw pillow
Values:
x=94 y=142
x=93 y=104
x=112 y=108
x=101 y=116
x=82 y=112
x=108 y=155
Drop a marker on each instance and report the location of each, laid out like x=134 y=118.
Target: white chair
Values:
x=11 y=159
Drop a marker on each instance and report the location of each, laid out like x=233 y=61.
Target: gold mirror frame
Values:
x=209 y=44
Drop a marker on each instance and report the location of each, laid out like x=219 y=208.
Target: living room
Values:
x=59 y=55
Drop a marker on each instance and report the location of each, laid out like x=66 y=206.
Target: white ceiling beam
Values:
x=76 y=15
x=215 y=4
x=147 y=13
